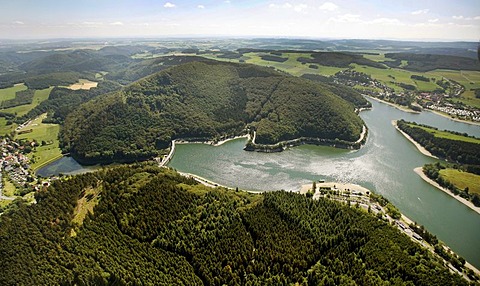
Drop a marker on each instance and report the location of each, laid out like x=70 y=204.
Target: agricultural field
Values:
x=42 y=133
x=447 y=135
x=83 y=84
x=8 y=187
x=39 y=96
x=4 y=128
x=469 y=79
x=462 y=179
x=390 y=75
x=9 y=93
x=292 y=65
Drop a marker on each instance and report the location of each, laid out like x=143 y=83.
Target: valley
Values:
x=127 y=103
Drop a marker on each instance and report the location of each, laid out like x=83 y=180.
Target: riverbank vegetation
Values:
x=206 y=100
x=457 y=179
x=453 y=146
x=151 y=225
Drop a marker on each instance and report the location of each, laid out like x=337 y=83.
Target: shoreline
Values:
x=419 y=147
x=212 y=184
x=454 y=118
x=354 y=187
x=283 y=145
x=399 y=107
x=467 y=203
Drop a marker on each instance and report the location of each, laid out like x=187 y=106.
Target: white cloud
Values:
x=297 y=8
x=227 y=1
x=433 y=20
x=328 y=6
x=169 y=5
x=116 y=23
x=466 y=18
x=418 y=12
x=346 y=18
x=300 y=7
x=18 y=22
x=386 y=21
x=201 y=7
x=91 y=23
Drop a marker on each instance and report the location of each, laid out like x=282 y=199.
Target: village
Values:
x=15 y=169
x=411 y=98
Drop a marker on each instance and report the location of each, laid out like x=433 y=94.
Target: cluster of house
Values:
x=431 y=100
x=376 y=88
x=473 y=115
x=14 y=162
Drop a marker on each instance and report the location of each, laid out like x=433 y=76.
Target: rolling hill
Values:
x=137 y=225
x=206 y=100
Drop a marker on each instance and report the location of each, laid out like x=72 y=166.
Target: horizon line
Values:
x=186 y=36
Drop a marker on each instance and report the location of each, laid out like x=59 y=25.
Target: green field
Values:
x=469 y=79
x=9 y=93
x=292 y=65
x=390 y=75
x=4 y=203
x=8 y=187
x=4 y=129
x=462 y=179
x=43 y=132
x=39 y=96
x=447 y=135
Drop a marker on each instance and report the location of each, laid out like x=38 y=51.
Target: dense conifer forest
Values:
x=147 y=225
x=207 y=100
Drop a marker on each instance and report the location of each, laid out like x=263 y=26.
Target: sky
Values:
x=444 y=20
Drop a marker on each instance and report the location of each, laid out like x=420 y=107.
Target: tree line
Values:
x=452 y=150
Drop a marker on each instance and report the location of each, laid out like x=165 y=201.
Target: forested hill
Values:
x=206 y=100
x=141 y=225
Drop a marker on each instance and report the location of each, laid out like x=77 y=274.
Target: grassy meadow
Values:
x=4 y=128
x=462 y=179
x=39 y=96
x=9 y=93
x=42 y=132
x=469 y=79
x=447 y=135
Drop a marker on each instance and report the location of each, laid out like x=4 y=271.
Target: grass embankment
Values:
x=447 y=135
x=462 y=180
x=41 y=132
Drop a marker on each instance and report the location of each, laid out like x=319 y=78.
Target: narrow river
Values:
x=385 y=164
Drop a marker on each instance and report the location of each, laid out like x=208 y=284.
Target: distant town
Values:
x=410 y=98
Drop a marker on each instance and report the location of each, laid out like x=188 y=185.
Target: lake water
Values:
x=385 y=164
x=65 y=165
